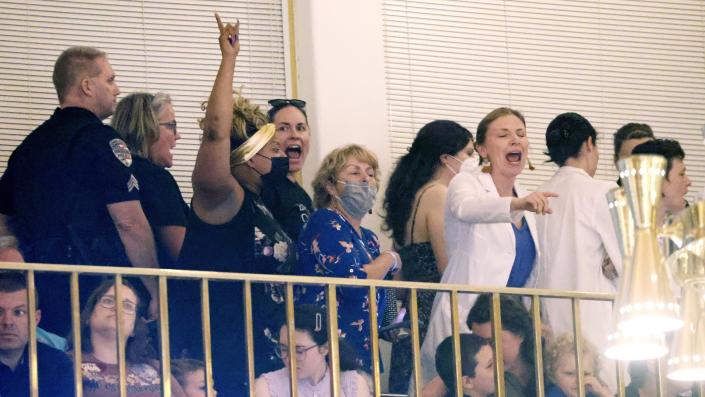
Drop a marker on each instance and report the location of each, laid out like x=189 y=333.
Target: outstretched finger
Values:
x=220 y=22
x=549 y=194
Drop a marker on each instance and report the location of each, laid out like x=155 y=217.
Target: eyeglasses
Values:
x=108 y=302
x=282 y=351
x=278 y=103
x=170 y=125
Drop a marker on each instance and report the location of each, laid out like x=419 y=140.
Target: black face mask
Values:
x=280 y=169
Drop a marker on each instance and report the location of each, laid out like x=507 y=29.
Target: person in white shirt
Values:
x=579 y=247
x=489 y=224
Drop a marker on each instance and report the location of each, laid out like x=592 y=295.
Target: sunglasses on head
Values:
x=278 y=103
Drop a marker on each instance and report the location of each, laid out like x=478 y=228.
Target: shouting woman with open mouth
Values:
x=490 y=224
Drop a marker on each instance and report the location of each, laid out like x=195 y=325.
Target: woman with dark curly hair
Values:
x=414 y=204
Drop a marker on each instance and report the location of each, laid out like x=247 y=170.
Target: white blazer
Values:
x=481 y=248
x=575 y=240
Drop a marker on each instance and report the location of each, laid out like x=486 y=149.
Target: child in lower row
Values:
x=477 y=365
x=562 y=372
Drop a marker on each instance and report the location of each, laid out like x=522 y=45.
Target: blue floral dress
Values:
x=329 y=246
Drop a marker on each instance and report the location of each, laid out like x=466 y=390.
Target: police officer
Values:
x=69 y=195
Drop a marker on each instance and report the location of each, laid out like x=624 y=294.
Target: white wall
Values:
x=340 y=60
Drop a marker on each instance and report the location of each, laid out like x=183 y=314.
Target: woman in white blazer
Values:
x=489 y=226
x=578 y=243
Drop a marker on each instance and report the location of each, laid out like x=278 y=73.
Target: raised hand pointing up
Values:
x=229 y=37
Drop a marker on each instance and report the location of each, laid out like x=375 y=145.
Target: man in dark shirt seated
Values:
x=54 y=366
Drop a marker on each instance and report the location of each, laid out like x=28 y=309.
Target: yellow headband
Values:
x=253 y=144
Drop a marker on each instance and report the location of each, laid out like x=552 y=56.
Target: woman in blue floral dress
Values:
x=333 y=244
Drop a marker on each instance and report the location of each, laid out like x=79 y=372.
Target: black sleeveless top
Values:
x=229 y=247
x=418 y=258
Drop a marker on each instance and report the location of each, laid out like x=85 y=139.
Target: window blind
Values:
x=613 y=61
x=153 y=45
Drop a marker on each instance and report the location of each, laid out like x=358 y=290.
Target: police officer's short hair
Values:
x=73 y=64
x=13 y=281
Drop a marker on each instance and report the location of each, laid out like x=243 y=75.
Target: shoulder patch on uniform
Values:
x=132 y=184
x=121 y=151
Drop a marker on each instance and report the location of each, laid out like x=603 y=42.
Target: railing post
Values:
x=578 y=340
x=620 y=379
x=415 y=339
x=455 y=330
x=76 y=331
x=374 y=341
x=291 y=337
x=122 y=371
x=164 y=336
x=206 y=332
x=32 y=325
x=538 y=344
x=249 y=337
x=661 y=377
x=496 y=316
x=334 y=355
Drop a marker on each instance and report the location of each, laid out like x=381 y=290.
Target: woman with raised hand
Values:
x=490 y=224
x=147 y=124
x=230 y=230
x=334 y=244
x=415 y=208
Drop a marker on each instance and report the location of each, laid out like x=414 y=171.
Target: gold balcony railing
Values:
x=290 y=281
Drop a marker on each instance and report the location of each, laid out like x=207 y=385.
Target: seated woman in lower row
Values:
x=312 y=369
x=99 y=346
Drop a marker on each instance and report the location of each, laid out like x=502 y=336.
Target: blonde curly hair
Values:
x=247 y=117
x=564 y=344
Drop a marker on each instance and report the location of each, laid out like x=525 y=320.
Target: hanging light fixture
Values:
x=646 y=299
x=629 y=345
x=687 y=359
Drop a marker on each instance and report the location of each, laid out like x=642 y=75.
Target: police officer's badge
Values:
x=121 y=151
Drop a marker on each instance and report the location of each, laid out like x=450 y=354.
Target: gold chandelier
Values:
x=646 y=306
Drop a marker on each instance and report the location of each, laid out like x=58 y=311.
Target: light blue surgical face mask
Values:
x=357 y=198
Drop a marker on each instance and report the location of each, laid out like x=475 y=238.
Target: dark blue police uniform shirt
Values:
x=59 y=181
x=55 y=371
x=55 y=191
x=161 y=201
